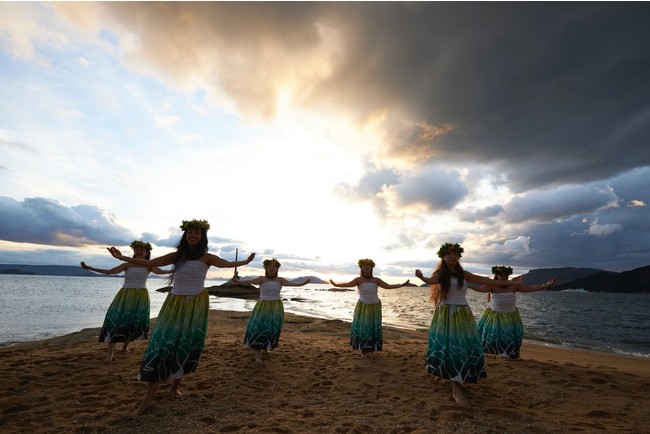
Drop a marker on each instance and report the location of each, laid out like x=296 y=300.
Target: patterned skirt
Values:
x=127 y=318
x=501 y=333
x=366 y=333
x=177 y=339
x=264 y=325
x=454 y=349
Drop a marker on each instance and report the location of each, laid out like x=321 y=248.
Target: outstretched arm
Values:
x=350 y=284
x=495 y=285
x=286 y=282
x=255 y=281
x=533 y=288
x=114 y=270
x=385 y=285
x=161 y=261
x=478 y=287
x=216 y=261
x=156 y=270
x=433 y=280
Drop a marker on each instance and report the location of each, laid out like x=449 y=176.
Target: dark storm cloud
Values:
x=45 y=221
x=551 y=97
x=560 y=203
x=552 y=93
x=436 y=189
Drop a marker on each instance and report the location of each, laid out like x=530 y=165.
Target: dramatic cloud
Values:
x=521 y=129
x=45 y=221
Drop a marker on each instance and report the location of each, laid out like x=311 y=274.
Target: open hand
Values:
x=115 y=252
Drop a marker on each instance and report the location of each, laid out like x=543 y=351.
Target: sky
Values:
x=322 y=133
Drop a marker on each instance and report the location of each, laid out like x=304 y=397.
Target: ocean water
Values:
x=39 y=307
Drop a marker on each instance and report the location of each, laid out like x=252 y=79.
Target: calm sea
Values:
x=38 y=307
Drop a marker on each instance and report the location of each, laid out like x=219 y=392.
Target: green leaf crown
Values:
x=138 y=243
x=501 y=270
x=366 y=261
x=449 y=247
x=195 y=224
x=273 y=261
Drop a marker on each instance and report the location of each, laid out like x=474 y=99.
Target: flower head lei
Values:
x=501 y=270
x=366 y=261
x=449 y=247
x=137 y=244
x=195 y=224
x=273 y=261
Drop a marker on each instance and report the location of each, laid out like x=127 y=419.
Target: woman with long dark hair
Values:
x=178 y=337
x=454 y=350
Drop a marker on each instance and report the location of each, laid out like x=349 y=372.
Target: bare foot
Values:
x=174 y=390
x=145 y=404
x=364 y=355
x=458 y=393
x=124 y=350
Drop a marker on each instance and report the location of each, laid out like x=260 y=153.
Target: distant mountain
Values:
x=47 y=270
x=314 y=279
x=632 y=281
x=563 y=275
x=590 y=279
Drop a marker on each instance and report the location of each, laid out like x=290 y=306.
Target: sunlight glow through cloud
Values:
x=325 y=132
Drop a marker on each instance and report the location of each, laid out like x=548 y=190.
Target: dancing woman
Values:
x=264 y=326
x=127 y=317
x=454 y=350
x=500 y=325
x=178 y=337
x=366 y=334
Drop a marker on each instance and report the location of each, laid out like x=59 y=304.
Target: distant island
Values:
x=589 y=279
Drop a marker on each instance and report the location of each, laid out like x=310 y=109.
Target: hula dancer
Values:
x=454 y=350
x=127 y=317
x=265 y=323
x=366 y=330
x=500 y=324
x=178 y=336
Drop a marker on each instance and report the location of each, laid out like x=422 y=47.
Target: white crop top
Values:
x=270 y=290
x=368 y=293
x=456 y=295
x=503 y=301
x=189 y=279
x=135 y=277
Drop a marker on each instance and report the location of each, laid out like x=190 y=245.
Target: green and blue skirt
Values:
x=264 y=326
x=366 y=332
x=501 y=333
x=177 y=339
x=454 y=350
x=127 y=318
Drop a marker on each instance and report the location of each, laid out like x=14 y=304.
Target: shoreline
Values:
x=314 y=382
x=416 y=329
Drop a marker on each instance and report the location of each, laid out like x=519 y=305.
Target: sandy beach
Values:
x=315 y=383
